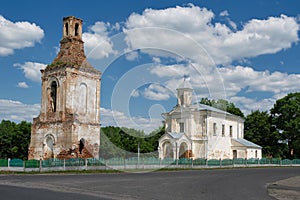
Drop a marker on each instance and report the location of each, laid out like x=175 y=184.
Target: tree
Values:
x=123 y=142
x=258 y=129
x=223 y=105
x=285 y=116
x=14 y=139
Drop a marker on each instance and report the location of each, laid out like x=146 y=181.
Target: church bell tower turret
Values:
x=184 y=93
x=69 y=122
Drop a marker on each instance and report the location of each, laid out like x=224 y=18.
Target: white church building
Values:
x=201 y=131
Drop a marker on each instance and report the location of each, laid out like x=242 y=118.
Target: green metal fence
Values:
x=146 y=161
x=53 y=163
x=16 y=162
x=32 y=164
x=3 y=162
x=199 y=161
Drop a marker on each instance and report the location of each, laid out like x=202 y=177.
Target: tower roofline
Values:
x=185 y=84
x=71 y=16
x=71 y=52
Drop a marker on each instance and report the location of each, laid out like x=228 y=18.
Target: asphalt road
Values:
x=231 y=184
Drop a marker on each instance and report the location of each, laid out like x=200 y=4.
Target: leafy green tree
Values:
x=14 y=139
x=285 y=116
x=223 y=105
x=258 y=129
x=124 y=142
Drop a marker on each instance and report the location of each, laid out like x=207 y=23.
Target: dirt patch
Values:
x=287 y=189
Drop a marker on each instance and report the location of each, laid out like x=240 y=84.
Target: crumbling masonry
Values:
x=68 y=125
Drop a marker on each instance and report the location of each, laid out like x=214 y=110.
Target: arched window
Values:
x=48 y=147
x=183 y=150
x=53 y=96
x=76 y=29
x=67 y=28
x=167 y=150
x=83 y=98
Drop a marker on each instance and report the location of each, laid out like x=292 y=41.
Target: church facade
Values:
x=68 y=125
x=200 y=131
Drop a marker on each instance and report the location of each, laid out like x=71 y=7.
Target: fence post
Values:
x=24 y=165
x=40 y=168
x=220 y=160
x=85 y=163
x=124 y=164
x=143 y=163
x=8 y=163
x=64 y=164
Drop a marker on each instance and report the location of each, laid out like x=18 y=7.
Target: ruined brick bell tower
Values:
x=69 y=122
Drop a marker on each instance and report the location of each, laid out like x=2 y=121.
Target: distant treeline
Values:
x=115 y=141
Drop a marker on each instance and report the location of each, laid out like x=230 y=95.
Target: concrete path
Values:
x=287 y=189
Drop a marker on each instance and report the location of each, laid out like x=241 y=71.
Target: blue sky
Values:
x=244 y=51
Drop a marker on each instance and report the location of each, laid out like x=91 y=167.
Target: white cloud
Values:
x=97 y=42
x=132 y=56
x=248 y=104
x=261 y=37
x=23 y=85
x=236 y=78
x=205 y=81
x=224 y=13
x=177 y=70
x=18 y=111
x=135 y=93
x=116 y=118
x=18 y=35
x=156 y=92
x=156 y=59
x=227 y=83
x=31 y=70
x=190 y=31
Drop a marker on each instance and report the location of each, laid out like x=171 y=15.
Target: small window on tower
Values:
x=67 y=28
x=53 y=95
x=76 y=29
x=181 y=127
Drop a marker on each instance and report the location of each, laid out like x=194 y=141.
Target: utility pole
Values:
x=138 y=154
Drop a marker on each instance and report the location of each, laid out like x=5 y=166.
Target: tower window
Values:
x=230 y=131
x=181 y=99
x=76 y=29
x=67 y=28
x=181 y=127
x=53 y=95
